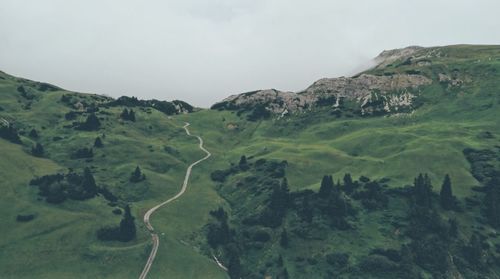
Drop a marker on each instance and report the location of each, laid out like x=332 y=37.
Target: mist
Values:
x=203 y=51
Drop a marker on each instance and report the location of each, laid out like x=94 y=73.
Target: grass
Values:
x=60 y=242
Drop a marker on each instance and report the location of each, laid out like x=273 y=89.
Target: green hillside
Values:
x=452 y=128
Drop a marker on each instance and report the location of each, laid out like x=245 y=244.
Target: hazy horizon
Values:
x=202 y=52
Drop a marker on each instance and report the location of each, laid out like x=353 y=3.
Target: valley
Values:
x=430 y=111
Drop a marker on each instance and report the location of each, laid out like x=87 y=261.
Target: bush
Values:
x=261 y=236
x=92 y=123
x=377 y=263
x=37 y=150
x=25 y=218
x=8 y=132
x=83 y=153
x=338 y=259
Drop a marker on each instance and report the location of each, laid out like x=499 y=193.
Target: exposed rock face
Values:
x=372 y=93
x=389 y=56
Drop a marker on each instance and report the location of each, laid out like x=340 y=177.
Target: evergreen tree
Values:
x=33 y=134
x=407 y=264
x=348 y=183
x=243 y=163
x=131 y=115
x=127 y=226
x=474 y=250
x=98 y=142
x=453 y=228
x=9 y=133
x=37 y=150
x=423 y=191
x=326 y=187
x=124 y=114
x=306 y=209
x=280 y=260
x=128 y=115
x=92 y=123
x=234 y=268
x=285 y=274
x=88 y=183
x=284 y=239
x=492 y=202
x=137 y=175
x=445 y=196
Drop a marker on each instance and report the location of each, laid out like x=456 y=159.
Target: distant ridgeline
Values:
x=398 y=83
x=351 y=228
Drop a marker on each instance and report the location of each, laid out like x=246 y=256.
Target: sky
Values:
x=203 y=51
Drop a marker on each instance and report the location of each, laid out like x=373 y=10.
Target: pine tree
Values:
x=88 y=183
x=445 y=196
x=131 y=115
x=284 y=239
x=492 y=202
x=280 y=260
x=124 y=115
x=423 y=191
x=234 y=268
x=137 y=175
x=243 y=163
x=306 y=210
x=33 y=134
x=285 y=274
x=92 y=123
x=348 y=184
x=453 y=228
x=127 y=226
x=474 y=250
x=37 y=150
x=98 y=142
x=326 y=187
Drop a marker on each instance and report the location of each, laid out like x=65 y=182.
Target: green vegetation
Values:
x=326 y=193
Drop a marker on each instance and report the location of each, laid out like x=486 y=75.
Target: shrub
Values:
x=377 y=263
x=338 y=259
x=25 y=218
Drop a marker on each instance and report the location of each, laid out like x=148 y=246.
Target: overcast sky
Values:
x=203 y=51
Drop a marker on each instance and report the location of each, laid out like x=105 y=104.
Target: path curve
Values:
x=154 y=235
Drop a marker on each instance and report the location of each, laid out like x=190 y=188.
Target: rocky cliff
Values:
x=370 y=93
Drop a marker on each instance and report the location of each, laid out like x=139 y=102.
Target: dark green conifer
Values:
x=446 y=196
x=326 y=187
x=98 y=142
x=37 y=150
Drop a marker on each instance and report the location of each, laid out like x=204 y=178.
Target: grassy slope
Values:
x=430 y=140
x=61 y=241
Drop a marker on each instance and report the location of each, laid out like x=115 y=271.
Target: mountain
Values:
x=391 y=173
x=394 y=85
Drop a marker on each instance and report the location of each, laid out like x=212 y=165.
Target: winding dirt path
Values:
x=154 y=235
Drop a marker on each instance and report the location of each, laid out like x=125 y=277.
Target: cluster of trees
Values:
x=484 y=170
x=432 y=243
x=8 y=132
x=168 y=108
x=37 y=150
x=92 y=123
x=128 y=115
x=56 y=188
x=84 y=152
x=125 y=231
